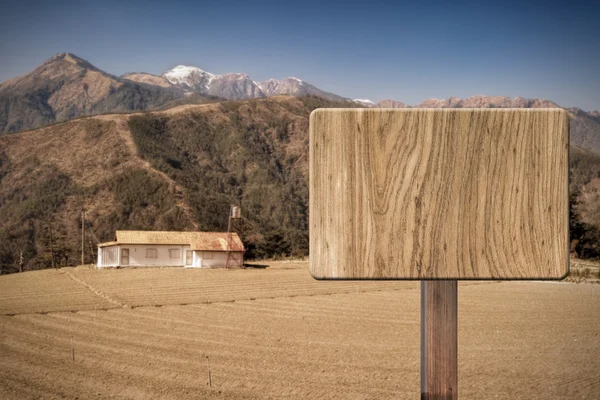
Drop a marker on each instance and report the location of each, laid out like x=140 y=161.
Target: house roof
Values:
x=216 y=241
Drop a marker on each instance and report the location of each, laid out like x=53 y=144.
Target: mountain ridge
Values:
x=66 y=86
x=239 y=86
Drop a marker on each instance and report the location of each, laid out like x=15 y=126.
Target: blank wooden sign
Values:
x=439 y=193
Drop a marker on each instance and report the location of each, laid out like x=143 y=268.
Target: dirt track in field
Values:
x=277 y=333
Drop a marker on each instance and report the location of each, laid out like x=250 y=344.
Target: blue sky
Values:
x=376 y=50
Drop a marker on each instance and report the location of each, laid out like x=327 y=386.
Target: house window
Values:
x=151 y=253
x=174 y=253
x=188 y=257
x=208 y=255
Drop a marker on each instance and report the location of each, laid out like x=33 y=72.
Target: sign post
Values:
x=439 y=195
x=439 y=340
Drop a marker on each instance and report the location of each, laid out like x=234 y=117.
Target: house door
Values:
x=124 y=256
x=188 y=257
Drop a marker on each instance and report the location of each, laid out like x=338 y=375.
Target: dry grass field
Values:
x=276 y=333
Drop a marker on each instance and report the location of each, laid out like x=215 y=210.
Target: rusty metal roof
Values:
x=216 y=241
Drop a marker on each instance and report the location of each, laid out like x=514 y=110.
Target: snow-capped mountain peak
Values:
x=235 y=86
x=189 y=78
x=183 y=72
x=365 y=102
x=232 y=86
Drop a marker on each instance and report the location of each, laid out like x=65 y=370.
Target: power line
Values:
x=92 y=231
x=94 y=257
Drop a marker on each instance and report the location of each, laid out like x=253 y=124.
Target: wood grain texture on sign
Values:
x=439 y=193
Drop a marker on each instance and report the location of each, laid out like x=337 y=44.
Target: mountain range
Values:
x=232 y=86
x=67 y=87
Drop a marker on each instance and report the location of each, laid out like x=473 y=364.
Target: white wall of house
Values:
x=217 y=259
x=159 y=255
x=108 y=256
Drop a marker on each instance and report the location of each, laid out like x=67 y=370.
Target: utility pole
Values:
x=21 y=262
x=82 y=233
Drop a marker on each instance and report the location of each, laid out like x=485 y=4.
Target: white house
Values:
x=177 y=249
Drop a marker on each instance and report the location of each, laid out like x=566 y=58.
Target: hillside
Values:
x=67 y=87
x=585 y=129
x=179 y=169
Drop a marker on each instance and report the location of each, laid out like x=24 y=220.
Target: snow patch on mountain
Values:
x=365 y=102
x=182 y=72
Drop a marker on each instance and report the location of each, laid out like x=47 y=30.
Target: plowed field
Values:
x=276 y=333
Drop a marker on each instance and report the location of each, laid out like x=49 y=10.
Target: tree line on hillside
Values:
x=584 y=210
x=232 y=162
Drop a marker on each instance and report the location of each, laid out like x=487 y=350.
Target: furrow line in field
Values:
x=161 y=287
x=156 y=328
x=96 y=291
x=147 y=300
x=227 y=368
x=189 y=334
x=126 y=379
x=292 y=287
x=347 y=315
x=18 y=382
x=153 y=356
x=352 y=304
x=126 y=336
x=264 y=306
